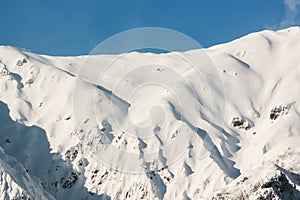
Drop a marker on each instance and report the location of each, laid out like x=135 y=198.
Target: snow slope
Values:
x=152 y=126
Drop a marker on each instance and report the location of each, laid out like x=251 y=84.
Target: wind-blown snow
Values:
x=65 y=134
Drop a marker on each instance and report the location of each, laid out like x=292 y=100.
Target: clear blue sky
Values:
x=62 y=27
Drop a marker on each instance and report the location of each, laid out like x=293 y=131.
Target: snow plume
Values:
x=291 y=12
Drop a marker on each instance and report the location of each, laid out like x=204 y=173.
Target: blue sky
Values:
x=62 y=27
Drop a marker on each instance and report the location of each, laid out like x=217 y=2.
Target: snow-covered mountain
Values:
x=153 y=126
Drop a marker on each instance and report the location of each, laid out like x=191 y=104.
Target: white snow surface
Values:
x=150 y=126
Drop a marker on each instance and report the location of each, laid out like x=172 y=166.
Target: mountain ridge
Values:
x=197 y=129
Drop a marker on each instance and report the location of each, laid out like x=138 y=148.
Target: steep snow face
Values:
x=146 y=126
x=16 y=183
